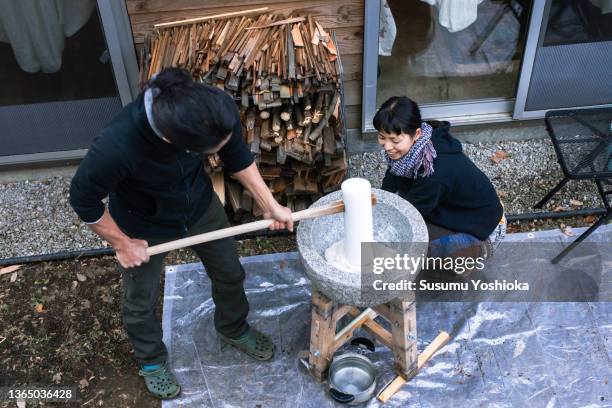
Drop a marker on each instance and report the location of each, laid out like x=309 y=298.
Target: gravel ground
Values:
x=36 y=218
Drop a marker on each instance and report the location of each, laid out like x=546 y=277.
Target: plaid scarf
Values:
x=421 y=154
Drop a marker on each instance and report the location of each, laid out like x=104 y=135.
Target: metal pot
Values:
x=352 y=378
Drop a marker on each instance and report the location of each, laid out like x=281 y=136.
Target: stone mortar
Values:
x=395 y=220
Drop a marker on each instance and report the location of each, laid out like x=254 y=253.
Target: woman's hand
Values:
x=281 y=216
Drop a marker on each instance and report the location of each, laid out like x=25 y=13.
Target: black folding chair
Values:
x=582 y=139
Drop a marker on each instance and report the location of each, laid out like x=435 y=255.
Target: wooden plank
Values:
x=297 y=37
x=329 y=143
x=278 y=185
x=156 y=6
x=233 y=194
x=218 y=181
x=277 y=23
x=379 y=332
x=374 y=328
x=347 y=331
x=342 y=310
x=342 y=13
x=394 y=386
x=211 y=17
x=352 y=117
x=352 y=93
x=352 y=66
x=383 y=310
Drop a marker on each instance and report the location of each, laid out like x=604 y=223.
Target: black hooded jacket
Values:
x=457 y=196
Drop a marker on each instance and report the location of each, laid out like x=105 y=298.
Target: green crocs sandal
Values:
x=253 y=343
x=161 y=383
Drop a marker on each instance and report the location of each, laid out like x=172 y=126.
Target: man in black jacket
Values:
x=148 y=160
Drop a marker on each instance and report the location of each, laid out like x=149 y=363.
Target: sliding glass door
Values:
x=477 y=61
x=455 y=58
x=568 y=59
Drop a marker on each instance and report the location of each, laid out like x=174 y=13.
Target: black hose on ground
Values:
x=555 y=214
x=87 y=253
x=94 y=252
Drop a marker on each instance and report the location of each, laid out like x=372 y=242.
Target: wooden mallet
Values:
x=330 y=209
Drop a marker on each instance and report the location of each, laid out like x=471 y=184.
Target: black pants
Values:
x=141 y=290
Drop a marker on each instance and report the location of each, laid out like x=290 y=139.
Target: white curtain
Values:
x=387 y=30
x=456 y=15
x=604 y=5
x=36 y=29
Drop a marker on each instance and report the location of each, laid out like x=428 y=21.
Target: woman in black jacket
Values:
x=428 y=168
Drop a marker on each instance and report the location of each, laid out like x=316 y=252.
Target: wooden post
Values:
x=402 y=315
x=322 y=332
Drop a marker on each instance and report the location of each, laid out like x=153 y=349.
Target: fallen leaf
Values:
x=498 y=156
x=13 y=277
x=57 y=378
x=576 y=203
x=558 y=209
x=590 y=219
x=9 y=269
x=75 y=284
x=501 y=194
x=83 y=383
x=39 y=308
x=568 y=231
x=81 y=277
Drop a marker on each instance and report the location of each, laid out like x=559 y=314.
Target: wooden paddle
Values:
x=330 y=209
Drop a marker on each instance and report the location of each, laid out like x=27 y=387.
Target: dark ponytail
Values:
x=399 y=114
x=191 y=115
x=170 y=77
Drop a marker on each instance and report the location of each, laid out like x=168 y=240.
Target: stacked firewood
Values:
x=284 y=74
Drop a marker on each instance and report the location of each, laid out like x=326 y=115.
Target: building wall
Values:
x=345 y=17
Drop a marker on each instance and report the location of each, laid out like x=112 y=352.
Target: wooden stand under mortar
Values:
x=402 y=339
x=325 y=340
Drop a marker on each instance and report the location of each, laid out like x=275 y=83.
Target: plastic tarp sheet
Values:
x=519 y=354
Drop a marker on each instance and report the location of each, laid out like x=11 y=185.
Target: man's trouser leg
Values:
x=140 y=295
x=141 y=290
x=220 y=258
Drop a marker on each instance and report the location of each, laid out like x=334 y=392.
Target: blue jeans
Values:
x=445 y=243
